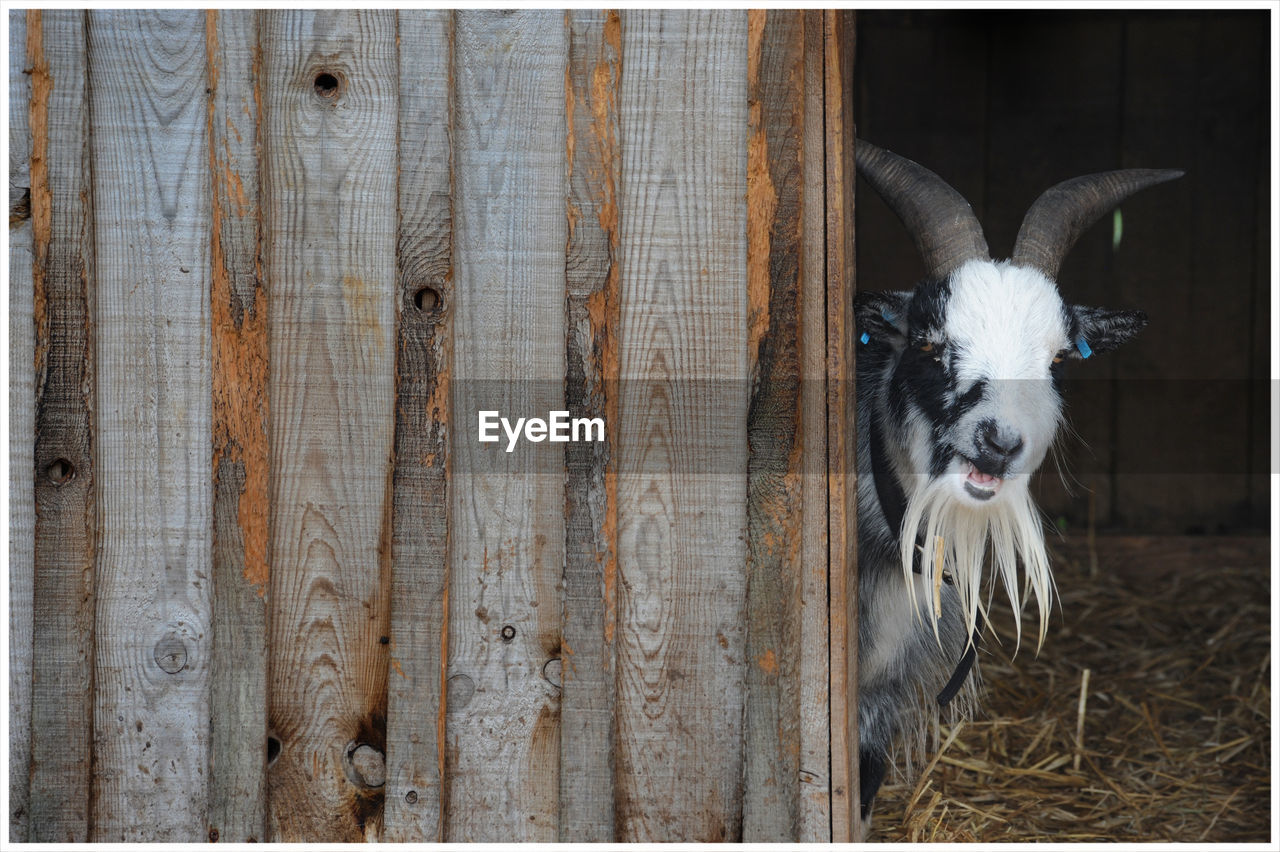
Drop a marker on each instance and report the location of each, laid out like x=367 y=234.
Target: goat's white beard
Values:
x=1013 y=530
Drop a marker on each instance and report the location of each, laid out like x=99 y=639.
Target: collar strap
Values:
x=963 y=667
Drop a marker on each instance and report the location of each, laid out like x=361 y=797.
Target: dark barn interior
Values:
x=1005 y=104
x=1146 y=715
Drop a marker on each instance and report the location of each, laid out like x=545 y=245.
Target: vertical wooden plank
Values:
x=775 y=426
x=151 y=228
x=1160 y=80
x=22 y=430
x=507 y=536
x=838 y=36
x=238 y=691
x=419 y=542
x=815 y=652
x=681 y=474
x=329 y=179
x=1195 y=84
x=591 y=390
x=62 y=272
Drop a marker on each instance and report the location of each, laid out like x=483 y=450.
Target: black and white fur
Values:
x=959 y=401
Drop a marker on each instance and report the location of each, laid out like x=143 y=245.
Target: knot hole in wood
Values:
x=426 y=299
x=170 y=653
x=552 y=672
x=60 y=471
x=366 y=766
x=328 y=85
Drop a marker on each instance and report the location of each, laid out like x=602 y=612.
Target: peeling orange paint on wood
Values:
x=762 y=198
x=240 y=363
x=768 y=662
x=41 y=197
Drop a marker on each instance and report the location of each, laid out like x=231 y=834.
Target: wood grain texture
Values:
x=838 y=41
x=507 y=509
x=65 y=528
x=419 y=539
x=238 y=690
x=682 y=426
x=775 y=426
x=815 y=621
x=22 y=430
x=329 y=180
x=151 y=229
x=591 y=390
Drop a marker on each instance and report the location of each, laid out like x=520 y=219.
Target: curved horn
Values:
x=940 y=221
x=1059 y=216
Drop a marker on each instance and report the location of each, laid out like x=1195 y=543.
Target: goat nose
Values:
x=997 y=440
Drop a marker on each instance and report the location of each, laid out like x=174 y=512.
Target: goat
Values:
x=959 y=399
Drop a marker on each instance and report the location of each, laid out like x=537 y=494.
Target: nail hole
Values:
x=273 y=750
x=508 y=633
x=411 y=797
x=326 y=85
x=213 y=835
x=60 y=472
x=383 y=640
x=426 y=299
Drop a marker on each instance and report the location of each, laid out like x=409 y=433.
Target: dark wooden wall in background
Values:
x=1005 y=104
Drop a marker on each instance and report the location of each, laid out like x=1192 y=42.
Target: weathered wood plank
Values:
x=775 y=426
x=22 y=430
x=591 y=390
x=419 y=541
x=680 y=637
x=65 y=530
x=151 y=229
x=815 y=653
x=507 y=536
x=238 y=691
x=329 y=183
x=842 y=505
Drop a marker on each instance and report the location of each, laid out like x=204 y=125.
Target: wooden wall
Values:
x=1005 y=104
x=265 y=582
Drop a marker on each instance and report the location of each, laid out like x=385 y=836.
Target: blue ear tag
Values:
x=865 y=337
x=1083 y=348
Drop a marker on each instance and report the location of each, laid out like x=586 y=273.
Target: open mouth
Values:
x=980 y=485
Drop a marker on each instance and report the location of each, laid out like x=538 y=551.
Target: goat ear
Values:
x=1102 y=329
x=881 y=317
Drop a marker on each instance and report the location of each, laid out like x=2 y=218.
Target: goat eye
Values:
x=1060 y=357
